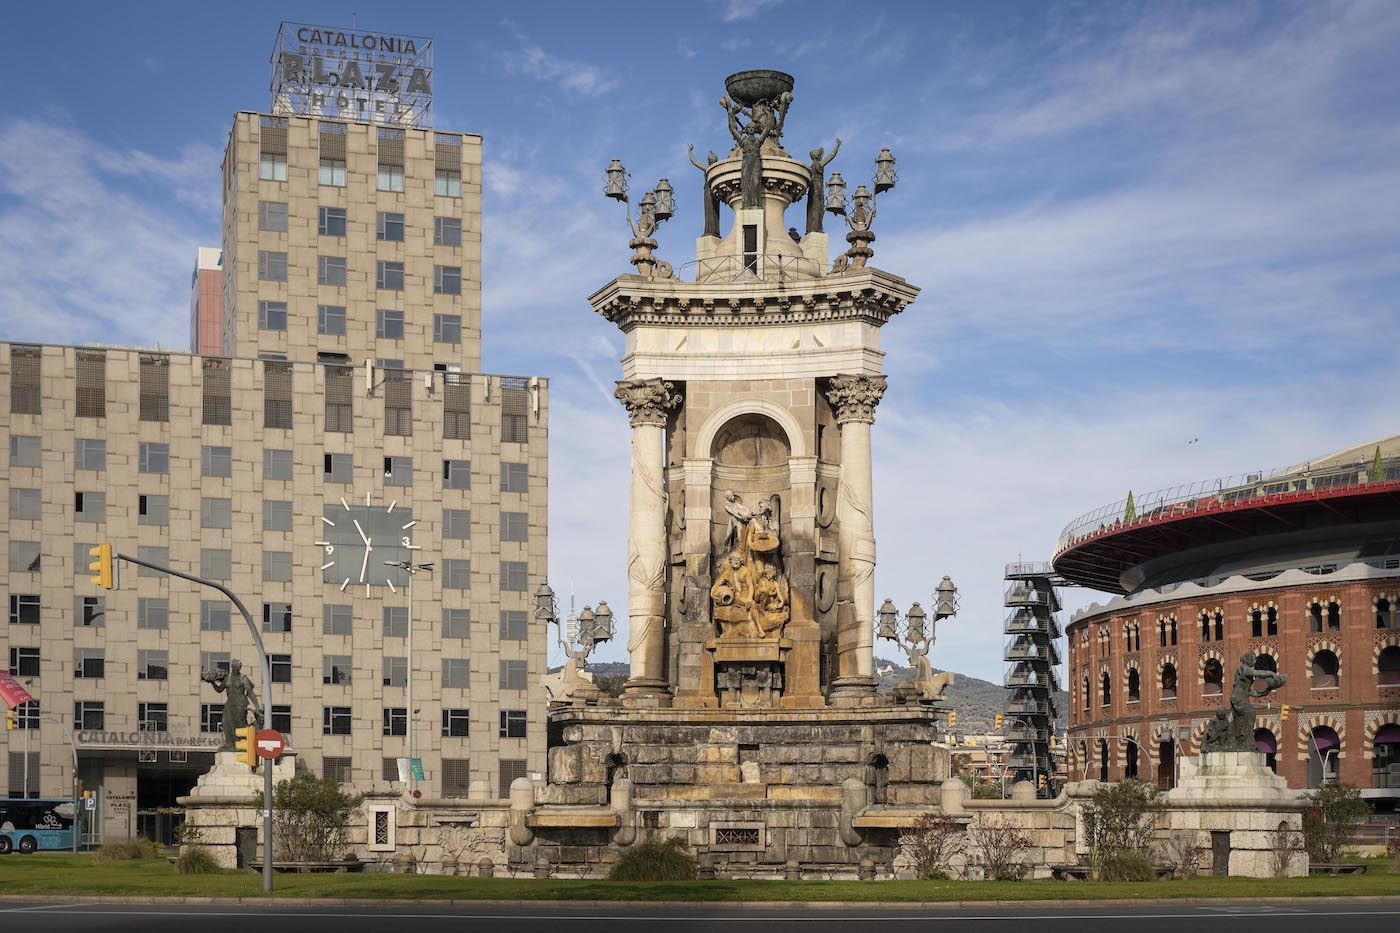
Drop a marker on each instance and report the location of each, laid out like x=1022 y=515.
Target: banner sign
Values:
x=352 y=74
x=12 y=691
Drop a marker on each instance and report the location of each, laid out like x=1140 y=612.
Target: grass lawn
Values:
x=79 y=875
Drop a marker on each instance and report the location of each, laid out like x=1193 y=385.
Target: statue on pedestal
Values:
x=1232 y=730
x=750 y=596
x=242 y=700
x=708 y=197
x=765 y=122
x=816 y=188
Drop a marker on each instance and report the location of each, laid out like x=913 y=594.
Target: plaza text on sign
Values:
x=352 y=74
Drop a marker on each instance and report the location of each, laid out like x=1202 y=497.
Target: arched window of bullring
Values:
x=1388 y=667
x=1385 y=611
x=1083 y=760
x=1087 y=693
x=1326 y=670
x=1324 y=612
x=1263 y=620
x=1385 y=756
x=1205 y=626
x=1169 y=681
x=1264 y=662
x=1134 y=685
x=1107 y=685
x=1264 y=741
x=1103 y=759
x=1212 y=621
x=1212 y=677
x=1130 y=758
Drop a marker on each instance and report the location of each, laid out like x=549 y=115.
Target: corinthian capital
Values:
x=855 y=397
x=647 y=400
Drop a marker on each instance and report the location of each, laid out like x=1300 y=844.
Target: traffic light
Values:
x=1283 y=713
x=102 y=570
x=1040 y=782
x=952 y=719
x=12 y=719
x=1000 y=719
x=245 y=748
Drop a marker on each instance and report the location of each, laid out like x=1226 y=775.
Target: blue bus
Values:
x=31 y=824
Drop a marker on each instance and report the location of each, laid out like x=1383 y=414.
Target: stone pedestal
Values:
x=228 y=797
x=1236 y=805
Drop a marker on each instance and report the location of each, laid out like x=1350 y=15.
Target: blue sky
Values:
x=1134 y=224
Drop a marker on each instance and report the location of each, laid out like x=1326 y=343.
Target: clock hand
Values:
x=361 y=531
x=364 y=564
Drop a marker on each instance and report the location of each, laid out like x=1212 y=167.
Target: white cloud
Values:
x=734 y=11
x=577 y=77
x=90 y=241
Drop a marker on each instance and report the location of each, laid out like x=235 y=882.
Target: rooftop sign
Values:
x=352 y=74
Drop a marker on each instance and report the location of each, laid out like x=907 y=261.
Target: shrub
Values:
x=196 y=860
x=128 y=850
x=1336 y=813
x=309 y=819
x=1000 y=846
x=655 y=861
x=1119 y=823
x=1284 y=846
x=1125 y=865
x=1181 y=853
x=985 y=791
x=931 y=841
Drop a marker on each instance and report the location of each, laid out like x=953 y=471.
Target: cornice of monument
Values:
x=869 y=295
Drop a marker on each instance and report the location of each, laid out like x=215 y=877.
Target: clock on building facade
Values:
x=366 y=545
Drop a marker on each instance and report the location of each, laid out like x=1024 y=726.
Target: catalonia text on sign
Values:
x=352 y=74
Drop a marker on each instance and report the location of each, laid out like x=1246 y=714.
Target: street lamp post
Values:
x=594 y=628
x=915 y=634
x=412 y=569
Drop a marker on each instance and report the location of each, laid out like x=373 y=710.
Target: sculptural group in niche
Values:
x=750 y=595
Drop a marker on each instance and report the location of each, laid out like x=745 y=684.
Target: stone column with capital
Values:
x=853 y=398
x=648 y=403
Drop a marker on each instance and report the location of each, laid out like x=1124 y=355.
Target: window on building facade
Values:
x=447 y=280
x=388 y=226
x=515 y=526
x=154 y=396
x=388 y=275
x=277 y=395
x=1105 y=689
x=447 y=184
x=395 y=672
x=153 y=612
x=89 y=454
x=513 y=723
x=89 y=611
x=338 y=468
x=26 y=393
x=1388 y=667
x=272 y=216
x=216 y=461
x=154 y=457
x=24 y=609
x=272 y=266
x=25 y=451
x=335 y=669
x=514 y=576
x=447 y=328
x=456 y=673
x=457 y=524
x=390 y=178
x=456 y=574
x=215 y=661
x=1325 y=670
x=281 y=665
x=217 y=392
x=456 y=623
x=330 y=270
x=336 y=769
x=211 y=717
x=282 y=718
x=277 y=464
x=515 y=477
x=24 y=662
x=388 y=325
x=331 y=172
x=398 y=403
x=1134 y=685
x=511 y=768
x=398 y=471
x=456 y=474
x=1168 y=681
x=395 y=621
x=216 y=563
x=515 y=675
x=89 y=663
x=514 y=625
x=277 y=617
x=330 y=320
x=152 y=664
x=89 y=715
x=330 y=221
x=515 y=408
x=272 y=315
x=25 y=556
x=447 y=231
x=1334 y=616
x=272 y=167
x=337 y=620
x=1385 y=612
x=215 y=615
x=456 y=406
x=152 y=509
x=1213 y=677
x=215 y=512
x=395 y=721
x=92 y=383
x=277 y=515
x=340 y=394
x=456 y=723
x=335 y=720
x=90 y=507
x=26 y=504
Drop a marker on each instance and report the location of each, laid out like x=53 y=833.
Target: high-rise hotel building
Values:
x=344 y=418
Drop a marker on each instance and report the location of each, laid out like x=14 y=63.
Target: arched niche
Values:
x=750 y=440
x=722 y=416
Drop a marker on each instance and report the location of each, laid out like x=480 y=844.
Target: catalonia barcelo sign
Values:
x=357 y=74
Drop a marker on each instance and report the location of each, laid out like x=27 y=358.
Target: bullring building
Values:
x=1300 y=567
x=347 y=401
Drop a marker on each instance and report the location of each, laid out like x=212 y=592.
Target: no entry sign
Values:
x=269 y=744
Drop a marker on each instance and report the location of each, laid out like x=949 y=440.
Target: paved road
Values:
x=1355 y=916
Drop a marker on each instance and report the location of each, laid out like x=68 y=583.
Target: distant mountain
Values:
x=977 y=701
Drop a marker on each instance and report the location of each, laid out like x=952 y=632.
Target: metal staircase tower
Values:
x=1031 y=656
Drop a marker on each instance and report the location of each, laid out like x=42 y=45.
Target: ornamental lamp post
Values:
x=946 y=594
x=885 y=177
x=665 y=200
x=616 y=186
x=836 y=194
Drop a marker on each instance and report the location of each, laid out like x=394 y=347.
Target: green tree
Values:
x=309 y=819
x=1377 y=471
x=1120 y=822
x=1337 y=811
x=1130 y=510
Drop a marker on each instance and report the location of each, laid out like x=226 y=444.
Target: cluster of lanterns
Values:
x=916 y=620
x=595 y=626
x=660 y=202
x=862 y=201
